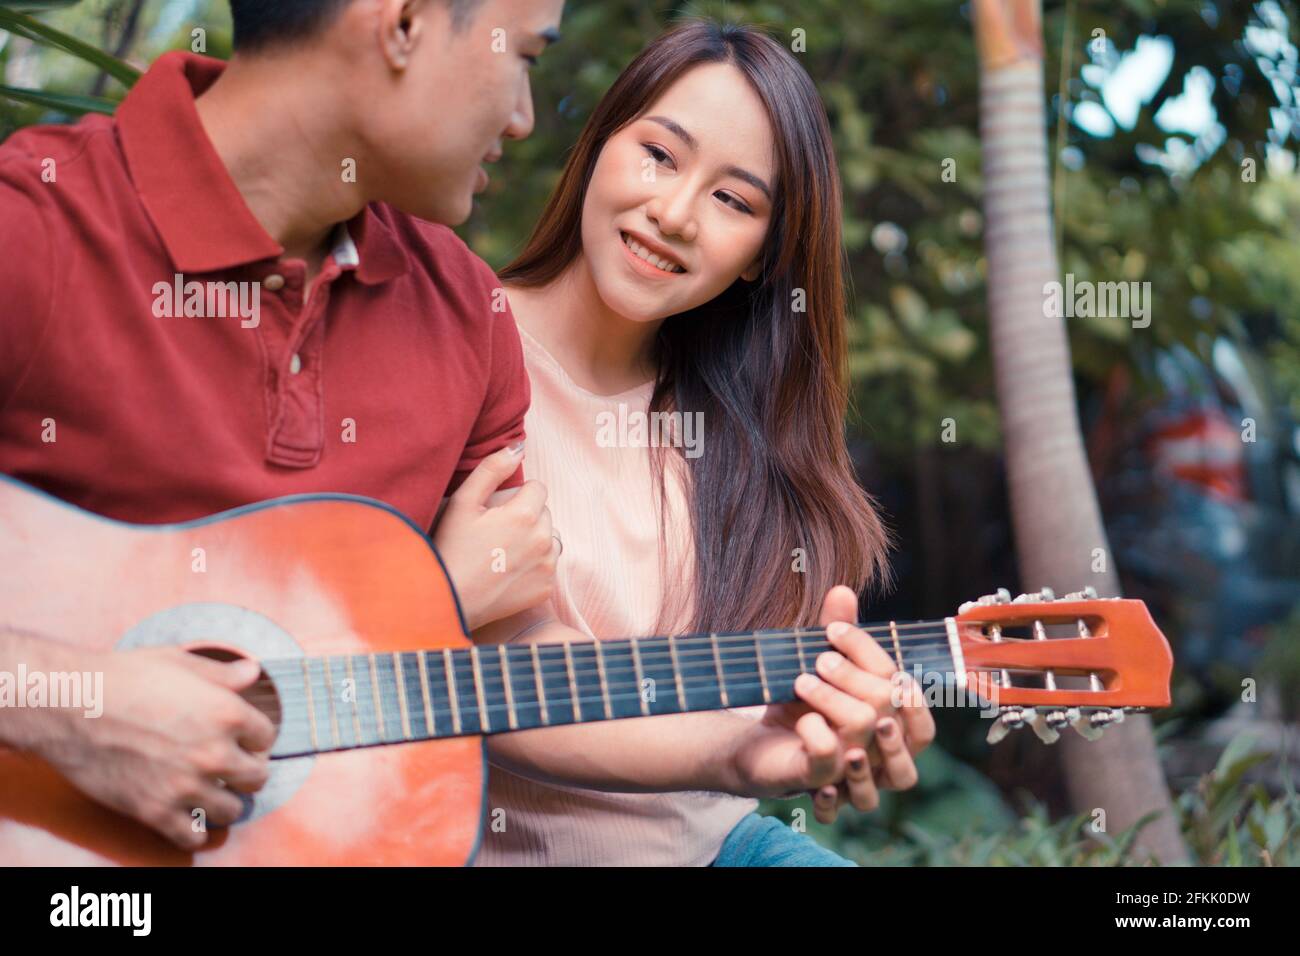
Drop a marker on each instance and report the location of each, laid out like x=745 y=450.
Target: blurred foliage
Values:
x=953 y=818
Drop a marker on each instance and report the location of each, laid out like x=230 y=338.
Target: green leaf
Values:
x=34 y=29
x=66 y=102
x=1234 y=846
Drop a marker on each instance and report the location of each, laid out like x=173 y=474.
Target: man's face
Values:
x=458 y=95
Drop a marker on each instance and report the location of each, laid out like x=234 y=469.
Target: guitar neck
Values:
x=342 y=702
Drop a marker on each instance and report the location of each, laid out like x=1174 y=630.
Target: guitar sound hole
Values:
x=261 y=694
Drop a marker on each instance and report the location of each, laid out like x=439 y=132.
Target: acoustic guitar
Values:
x=382 y=703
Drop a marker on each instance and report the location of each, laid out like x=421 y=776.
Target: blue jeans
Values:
x=766 y=841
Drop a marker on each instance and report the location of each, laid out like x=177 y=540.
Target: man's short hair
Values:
x=263 y=23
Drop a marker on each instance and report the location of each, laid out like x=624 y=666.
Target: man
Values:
x=355 y=348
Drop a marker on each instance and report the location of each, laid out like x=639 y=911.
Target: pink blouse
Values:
x=608 y=585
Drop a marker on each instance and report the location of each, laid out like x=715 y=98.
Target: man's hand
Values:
x=174 y=736
x=844 y=722
x=497 y=545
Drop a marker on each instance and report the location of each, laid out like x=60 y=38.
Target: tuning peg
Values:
x=1087 y=594
x=1040 y=725
x=1009 y=719
x=1058 y=719
x=1046 y=594
x=1088 y=726
x=1000 y=596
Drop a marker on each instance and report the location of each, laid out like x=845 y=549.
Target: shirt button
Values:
x=295 y=364
x=274 y=282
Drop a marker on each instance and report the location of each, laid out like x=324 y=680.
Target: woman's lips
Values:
x=643 y=267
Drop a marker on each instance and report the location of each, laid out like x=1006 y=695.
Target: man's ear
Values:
x=401 y=26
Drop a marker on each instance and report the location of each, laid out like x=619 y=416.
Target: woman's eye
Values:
x=660 y=155
x=734 y=202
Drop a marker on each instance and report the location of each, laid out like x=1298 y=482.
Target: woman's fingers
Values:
x=857 y=646
x=847 y=676
x=860 y=783
x=897 y=769
x=854 y=719
x=821 y=746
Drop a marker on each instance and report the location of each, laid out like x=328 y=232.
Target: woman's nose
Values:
x=673 y=214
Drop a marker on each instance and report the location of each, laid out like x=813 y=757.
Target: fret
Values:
x=378 y=696
x=803 y=664
x=739 y=660
x=465 y=674
x=384 y=677
x=762 y=672
x=779 y=660
x=717 y=663
x=359 y=670
x=557 y=688
x=588 y=678
x=541 y=689
x=321 y=704
x=413 y=695
x=639 y=676
x=572 y=675
x=403 y=710
x=677 y=672
x=311 y=711
x=422 y=664
x=491 y=689
x=343 y=690
x=619 y=674
x=521 y=682
x=325 y=664
x=452 y=696
x=658 y=663
x=445 y=720
x=808 y=654
x=697 y=673
x=477 y=664
x=511 y=717
x=604 y=680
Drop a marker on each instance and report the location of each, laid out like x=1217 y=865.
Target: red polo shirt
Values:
x=392 y=380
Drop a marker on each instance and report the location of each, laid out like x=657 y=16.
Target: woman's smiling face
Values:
x=680 y=199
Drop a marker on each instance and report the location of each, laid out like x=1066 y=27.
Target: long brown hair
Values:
x=765 y=362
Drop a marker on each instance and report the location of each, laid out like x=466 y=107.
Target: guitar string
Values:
x=488 y=654
x=935 y=629
x=302 y=722
x=685 y=646
x=436 y=667
x=498 y=701
x=295 y=692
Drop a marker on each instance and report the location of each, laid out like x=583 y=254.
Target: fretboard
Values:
x=342 y=702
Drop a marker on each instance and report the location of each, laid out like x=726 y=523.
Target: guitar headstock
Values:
x=1080 y=661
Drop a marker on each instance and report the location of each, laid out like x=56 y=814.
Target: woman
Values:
x=689 y=263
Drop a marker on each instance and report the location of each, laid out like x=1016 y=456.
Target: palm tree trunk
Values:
x=1055 y=515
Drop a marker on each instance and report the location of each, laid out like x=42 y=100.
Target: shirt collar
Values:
x=188 y=193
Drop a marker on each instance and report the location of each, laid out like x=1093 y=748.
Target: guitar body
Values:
x=308 y=575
